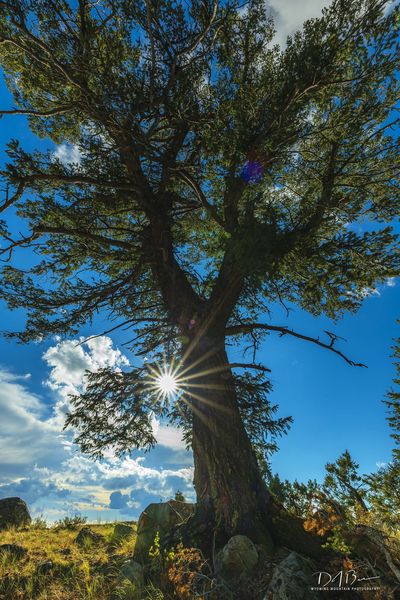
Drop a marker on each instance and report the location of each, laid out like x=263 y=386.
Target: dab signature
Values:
x=341 y=578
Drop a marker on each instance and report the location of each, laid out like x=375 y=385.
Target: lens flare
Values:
x=167 y=383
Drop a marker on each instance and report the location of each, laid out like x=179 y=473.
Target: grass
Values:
x=77 y=573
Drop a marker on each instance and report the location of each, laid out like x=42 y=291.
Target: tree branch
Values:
x=248 y=328
x=85 y=235
x=203 y=200
x=254 y=366
x=29 y=180
x=57 y=110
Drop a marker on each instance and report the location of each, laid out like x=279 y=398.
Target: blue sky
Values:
x=334 y=405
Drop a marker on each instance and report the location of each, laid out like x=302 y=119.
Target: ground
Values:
x=78 y=573
x=55 y=567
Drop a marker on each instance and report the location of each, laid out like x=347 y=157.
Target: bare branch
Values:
x=23 y=242
x=254 y=366
x=248 y=328
x=10 y=201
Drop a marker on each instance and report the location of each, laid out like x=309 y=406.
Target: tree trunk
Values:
x=231 y=496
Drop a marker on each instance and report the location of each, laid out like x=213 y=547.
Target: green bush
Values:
x=71 y=523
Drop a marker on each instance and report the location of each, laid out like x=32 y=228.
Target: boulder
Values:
x=161 y=518
x=44 y=567
x=292 y=579
x=237 y=558
x=132 y=570
x=13 y=512
x=87 y=536
x=13 y=550
x=121 y=532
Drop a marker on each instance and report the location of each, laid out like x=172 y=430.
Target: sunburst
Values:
x=164 y=380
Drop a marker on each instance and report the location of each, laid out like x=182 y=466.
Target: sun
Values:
x=167 y=383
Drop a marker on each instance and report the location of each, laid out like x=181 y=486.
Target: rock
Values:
x=162 y=518
x=121 y=532
x=14 y=550
x=132 y=570
x=237 y=558
x=292 y=580
x=88 y=536
x=44 y=567
x=14 y=512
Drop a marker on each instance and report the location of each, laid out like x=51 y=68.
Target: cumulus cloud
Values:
x=41 y=464
x=168 y=436
x=67 y=154
x=289 y=15
x=26 y=435
x=118 y=500
x=70 y=359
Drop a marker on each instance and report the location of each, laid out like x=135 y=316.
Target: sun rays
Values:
x=167 y=384
x=173 y=382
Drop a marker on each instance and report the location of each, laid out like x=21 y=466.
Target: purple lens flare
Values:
x=252 y=171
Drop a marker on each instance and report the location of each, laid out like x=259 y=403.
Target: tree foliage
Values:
x=393 y=404
x=217 y=174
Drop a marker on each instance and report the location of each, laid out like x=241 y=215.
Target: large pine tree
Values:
x=218 y=174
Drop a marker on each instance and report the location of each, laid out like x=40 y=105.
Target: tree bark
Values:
x=231 y=496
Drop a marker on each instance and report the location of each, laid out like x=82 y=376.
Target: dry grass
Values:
x=77 y=573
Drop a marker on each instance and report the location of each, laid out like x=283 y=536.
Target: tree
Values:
x=384 y=485
x=218 y=175
x=393 y=404
x=298 y=498
x=179 y=496
x=343 y=483
x=384 y=495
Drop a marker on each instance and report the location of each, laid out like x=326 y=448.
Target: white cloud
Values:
x=41 y=464
x=69 y=359
x=364 y=292
x=68 y=154
x=391 y=281
x=167 y=435
x=25 y=435
x=289 y=15
x=129 y=467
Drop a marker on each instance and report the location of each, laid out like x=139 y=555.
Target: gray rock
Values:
x=237 y=558
x=87 y=536
x=132 y=570
x=292 y=580
x=121 y=532
x=14 y=550
x=13 y=512
x=159 y=518
x=44 y=567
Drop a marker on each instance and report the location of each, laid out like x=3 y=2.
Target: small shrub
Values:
x=154 y=593
x=126 y=590
x=71 y=523
x=337 y=543
x=39 y=523
x=189 y=574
